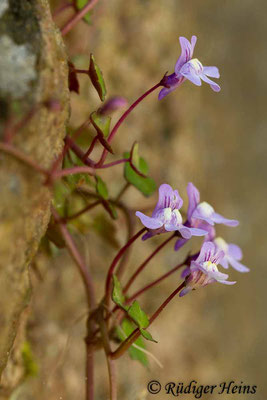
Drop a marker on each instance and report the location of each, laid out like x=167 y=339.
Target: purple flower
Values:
x=204 y=211
x=232 y=255
x=166 y=216
x=201 y=216
x=113 y=104
x=188 y=68
x=204 y=271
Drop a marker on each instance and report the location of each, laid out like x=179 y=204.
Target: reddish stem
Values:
x=89 y=372
x=73 y=171
x=60 y=9
x=91 y=148
x=9 y=149
x=84 y=210
x=79 y=153
x=112 y=164
x=154 y=283
x=144 y=264
x=74 y=252
x=136 y=333
x=116 y=260
x=82 y=71
x=68 y=144
x=123 y=117
x=112 y=378
x=77 y=17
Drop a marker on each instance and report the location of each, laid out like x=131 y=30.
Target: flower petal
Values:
x=216 y=259
x=185 y=232
x=227 y=282
x=198 y=214
x=171 y=227
x=148 y=222
x=148 y=235
x=215 y=87
x=217 y=275
x=193 y=199
x=185 y=272
x=219 y=219
x=198 y=232
x=170 y=83
x=170 y=89
x=224 y=263
x=179 y=243
x=237 y=265
x=234 y=251
x=185 y=291
x=206 y=252
x=213 y=72
x=187 y=49
x=193 y=43
x=167 y=198
x=189 y=73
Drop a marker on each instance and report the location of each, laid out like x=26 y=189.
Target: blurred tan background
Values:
x=217 y=141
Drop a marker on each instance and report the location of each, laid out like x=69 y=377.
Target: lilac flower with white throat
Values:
x=189 y=68
x=204 y=211
x=204 y=271
x=232 y=255
x=166 y=216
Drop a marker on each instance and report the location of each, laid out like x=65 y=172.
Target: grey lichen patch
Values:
x=17 y=68
x=3 y=7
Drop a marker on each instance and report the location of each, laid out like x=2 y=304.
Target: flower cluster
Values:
x=201 y=218
x=189 y=68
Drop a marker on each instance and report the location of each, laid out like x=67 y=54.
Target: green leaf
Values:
x=75 y=179
x=147 y=186
x=30 y=366
x=138 y=315
x=135 y=155
x=136 y=354
x=101 y=188
x=80 y=4
x=117 y=294
x=109 y=207
x=61 y=192
x=147 y=335
x=101 y=123
x=97 y=78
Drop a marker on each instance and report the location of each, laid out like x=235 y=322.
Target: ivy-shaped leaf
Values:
x=147 y=335
x=101 y=187
x=135 y=155
x=141 y=319
x=147 y=185
x=135 y=160
x=117 y=294
x=61 y=191
x=97 y=78
x=138 y=315
x=79 y=5
x=101 y=123
x=136 y=354
x=102 y=126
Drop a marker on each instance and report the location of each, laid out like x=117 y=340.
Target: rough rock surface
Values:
x=33 y=70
